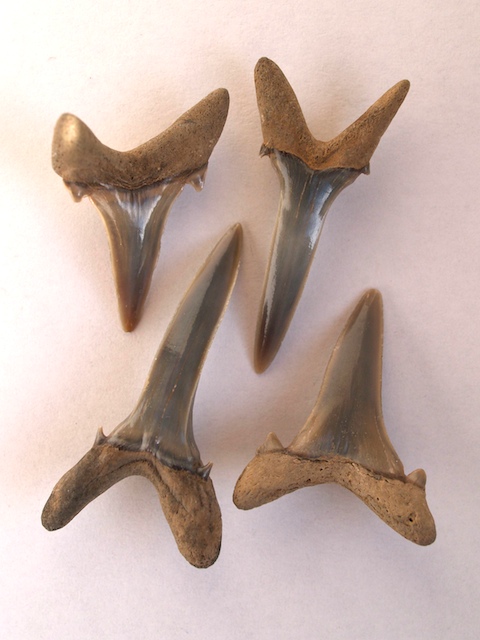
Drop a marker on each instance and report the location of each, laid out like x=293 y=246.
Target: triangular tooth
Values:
x=347 y=418
x=344 y=440
x=134 y=221
x=100 y=438
x=134 y=190
x=418 y=477
x=271 y=444
x=204 y=471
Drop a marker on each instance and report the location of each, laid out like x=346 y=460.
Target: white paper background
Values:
x=317 y=563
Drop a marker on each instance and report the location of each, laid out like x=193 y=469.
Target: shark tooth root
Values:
x=418 y=477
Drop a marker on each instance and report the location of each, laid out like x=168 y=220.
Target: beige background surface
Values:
x=318 y=563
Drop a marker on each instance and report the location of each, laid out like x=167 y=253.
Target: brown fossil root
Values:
x=134 y=190
x=312 y=174
x=188 y=500
x=156 y=439
x=344 y=440
x=182 y=149
x=285 y=129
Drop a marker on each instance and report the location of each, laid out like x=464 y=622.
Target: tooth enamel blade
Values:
x=347 y=418
x=161 y=423
x=306 y=196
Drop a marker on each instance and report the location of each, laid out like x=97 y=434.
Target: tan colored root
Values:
x=400 y=503
x=284 y=127
x=185 y=147
x=188 y=500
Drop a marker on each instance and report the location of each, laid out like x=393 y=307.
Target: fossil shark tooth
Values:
x=134 y=190
x=312 y=173
x=344 y=440
x=156 y=440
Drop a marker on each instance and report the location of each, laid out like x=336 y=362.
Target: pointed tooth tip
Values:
x=372 y=294
x=237 y=230
x=262 y=357
x=267 y=345
x=372 y=298
x=266 y=151
x=129 y=319
x=234 y=236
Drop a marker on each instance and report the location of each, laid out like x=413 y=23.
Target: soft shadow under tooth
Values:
x=306 y=196
x=134 y=221
x=156 y=440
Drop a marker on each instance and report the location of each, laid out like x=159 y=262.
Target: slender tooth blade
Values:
x=162 y=422
x=134 y=221
x=306 y=196
x=347 y=418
